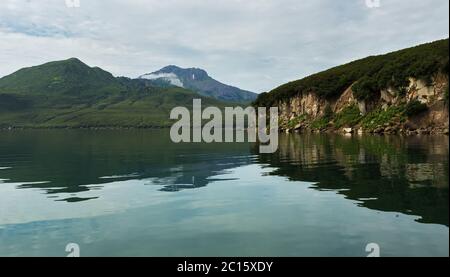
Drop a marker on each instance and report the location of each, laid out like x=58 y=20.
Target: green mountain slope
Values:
x=369 y=75
x=71 y=94
x=63 y=77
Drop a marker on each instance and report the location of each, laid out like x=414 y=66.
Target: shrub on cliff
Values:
x=378 y=118
x=320 y=124
x=349 y=117
x=415 y=107
x=328 y=112
x=366 y=88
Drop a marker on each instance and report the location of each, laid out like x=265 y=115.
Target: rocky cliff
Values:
x=400 y=92
x=385 y=114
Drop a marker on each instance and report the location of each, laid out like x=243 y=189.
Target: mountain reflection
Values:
x=392 y=174
x=71 y=162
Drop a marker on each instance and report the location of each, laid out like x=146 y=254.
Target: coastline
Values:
x=386 y=130
x=378 y=132
x=93 y=128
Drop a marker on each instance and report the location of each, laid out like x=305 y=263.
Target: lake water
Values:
x=134 y=193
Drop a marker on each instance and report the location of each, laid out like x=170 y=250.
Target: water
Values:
x=134 y=193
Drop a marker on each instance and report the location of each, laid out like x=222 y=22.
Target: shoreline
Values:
x=387 y=130
x=82 y=128
x=378 y=132
x=343 y=131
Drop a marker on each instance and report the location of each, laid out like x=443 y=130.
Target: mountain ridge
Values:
x=71 y=94
x=198 y=80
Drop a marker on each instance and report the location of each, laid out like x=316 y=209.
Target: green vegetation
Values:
x=368 y=76
x=69 y=77
x=380 y=117
x=328 y=112
x=298 y=120
x=320 y=123
x=366 y=89
x=131 y=109
x=349 y=117
x=324 y=121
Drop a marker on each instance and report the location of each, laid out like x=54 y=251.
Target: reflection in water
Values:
x=77 y=199
x=136 y=193
x=392 y=174
x=73 y=161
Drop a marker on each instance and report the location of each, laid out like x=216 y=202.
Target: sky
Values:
x=253 y=44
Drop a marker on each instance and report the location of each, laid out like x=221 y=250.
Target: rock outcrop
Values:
x=302 y=111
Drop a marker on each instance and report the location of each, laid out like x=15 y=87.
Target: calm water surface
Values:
x=134 y=193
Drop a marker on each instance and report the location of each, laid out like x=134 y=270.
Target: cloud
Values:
x=254 y=44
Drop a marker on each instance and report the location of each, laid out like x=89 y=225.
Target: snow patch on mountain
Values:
x=172 y=78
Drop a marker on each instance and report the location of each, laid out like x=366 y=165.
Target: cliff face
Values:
x=405 y=91
x=419 y=108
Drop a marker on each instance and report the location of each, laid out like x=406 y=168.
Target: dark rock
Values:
x=409 y=125
x=378 y=130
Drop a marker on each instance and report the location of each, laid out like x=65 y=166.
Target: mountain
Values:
x=403 y=91
x=199 y=81
x=59 y=76
x=70 y=93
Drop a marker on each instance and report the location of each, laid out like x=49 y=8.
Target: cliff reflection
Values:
x=394 y=174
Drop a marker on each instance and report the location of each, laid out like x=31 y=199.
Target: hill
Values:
x=403 y=91
x=374 y=73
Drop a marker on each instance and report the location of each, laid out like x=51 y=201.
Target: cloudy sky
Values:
x=254 y=44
